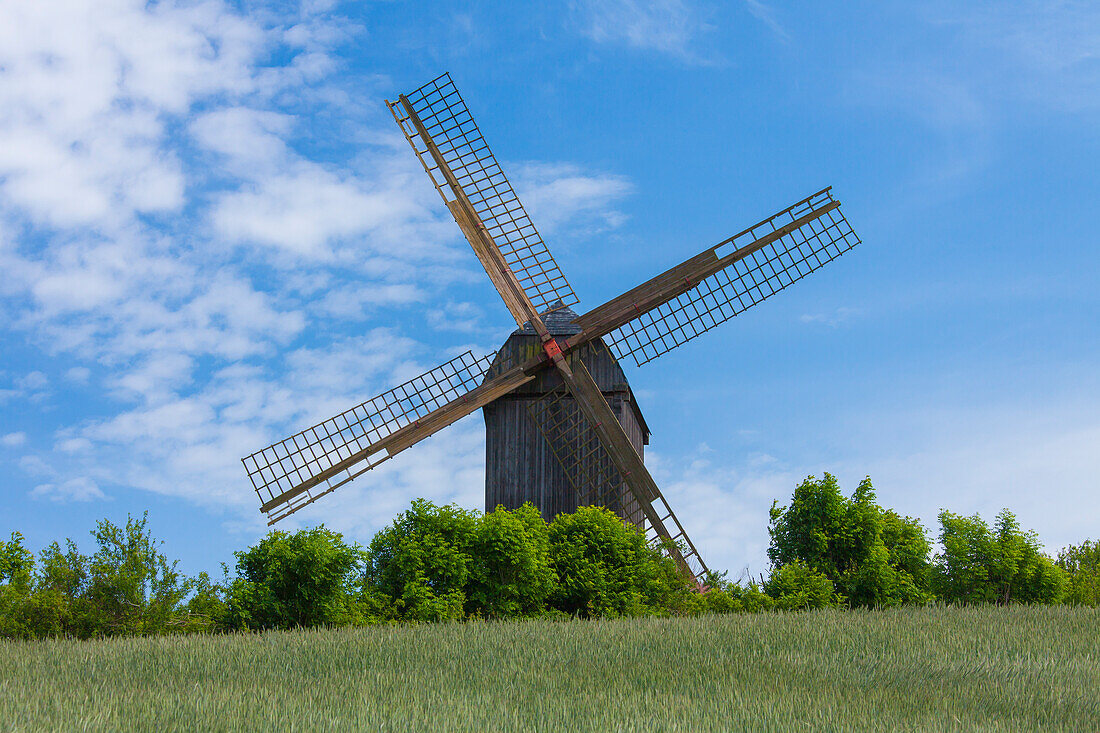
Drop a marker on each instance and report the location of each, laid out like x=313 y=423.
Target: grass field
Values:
x=912 y=669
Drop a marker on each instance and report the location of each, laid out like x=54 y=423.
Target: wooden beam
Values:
x=453 y=411
x=617 y=444
x=492 y=265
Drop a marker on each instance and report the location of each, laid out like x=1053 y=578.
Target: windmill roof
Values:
x=558 y=319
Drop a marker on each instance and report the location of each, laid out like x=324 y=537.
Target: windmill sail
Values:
x=448 y=143
x=300 y=469
x=605 y=472
x=728 y=279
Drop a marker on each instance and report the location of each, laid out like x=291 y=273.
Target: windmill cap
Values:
x=558 y=319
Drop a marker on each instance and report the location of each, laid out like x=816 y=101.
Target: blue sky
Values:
x=212 y=235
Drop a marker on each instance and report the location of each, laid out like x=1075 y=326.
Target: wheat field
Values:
x=937 y=669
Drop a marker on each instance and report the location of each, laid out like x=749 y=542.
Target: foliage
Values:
x=419 y=566
x=510 y=573
x=127 y=587
x=306 y=578
x=132 y=588
x=1001 y=564
x=797 y=586
x=440 y=563
x=1082 y=564
x=606 y=568
x=873 y=556
x=16 y=563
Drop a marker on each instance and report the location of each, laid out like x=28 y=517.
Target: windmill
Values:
x=545 y=371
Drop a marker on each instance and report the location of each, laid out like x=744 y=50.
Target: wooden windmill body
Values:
x=520 y=465
x=562 y=426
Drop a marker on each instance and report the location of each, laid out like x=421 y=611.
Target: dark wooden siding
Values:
x=519 y=465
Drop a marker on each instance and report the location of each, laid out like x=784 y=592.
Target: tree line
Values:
x=441 y=563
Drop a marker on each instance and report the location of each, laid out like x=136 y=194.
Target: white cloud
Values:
x=354 y=302
x=834 y=319
x=78 y=375
x=460 y=317
x=32 y=381
x=936 y=96
x=305 y=209
x=1045 y=52
x=1039 y=462
x=76 y=489
x=766 y=15
x=723 y=505
x=13 y=440
x=672 y=27
x=563 y=196
x=85 y=91
x=163 y=220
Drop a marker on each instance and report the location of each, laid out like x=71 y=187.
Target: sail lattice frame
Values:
x=744 y=283
x=287 y=464
x=480 y=178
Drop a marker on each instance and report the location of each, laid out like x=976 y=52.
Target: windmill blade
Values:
x=448 y=143
x=718 y=284
x=297 y=471
x=599 y=461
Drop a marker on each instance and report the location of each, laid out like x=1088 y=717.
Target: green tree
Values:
x=16 y=567
x=873 y=556
x=206 y=609
x=510 y=573
x=128 y=586
x=1001 y=564
x=16 y=563
x=1082 y=564
x=605 y=568
x=418 y=568
x=132 y=587
x=301 y=579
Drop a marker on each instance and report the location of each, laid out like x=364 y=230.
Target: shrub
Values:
x=127 y=587
x=605 y=568
x=797 y=586
x=418 y=567
x=306 y=578
x=132 y=588
x=1082 y=564
x=510 y=572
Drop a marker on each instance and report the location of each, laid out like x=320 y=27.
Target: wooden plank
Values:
x=674 y=282
x=630 y=301
x=492 y=265
x=453 y=411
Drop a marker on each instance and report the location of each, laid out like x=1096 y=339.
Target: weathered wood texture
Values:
x=519 y=464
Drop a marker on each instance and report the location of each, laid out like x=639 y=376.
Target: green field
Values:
x=931 y=669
